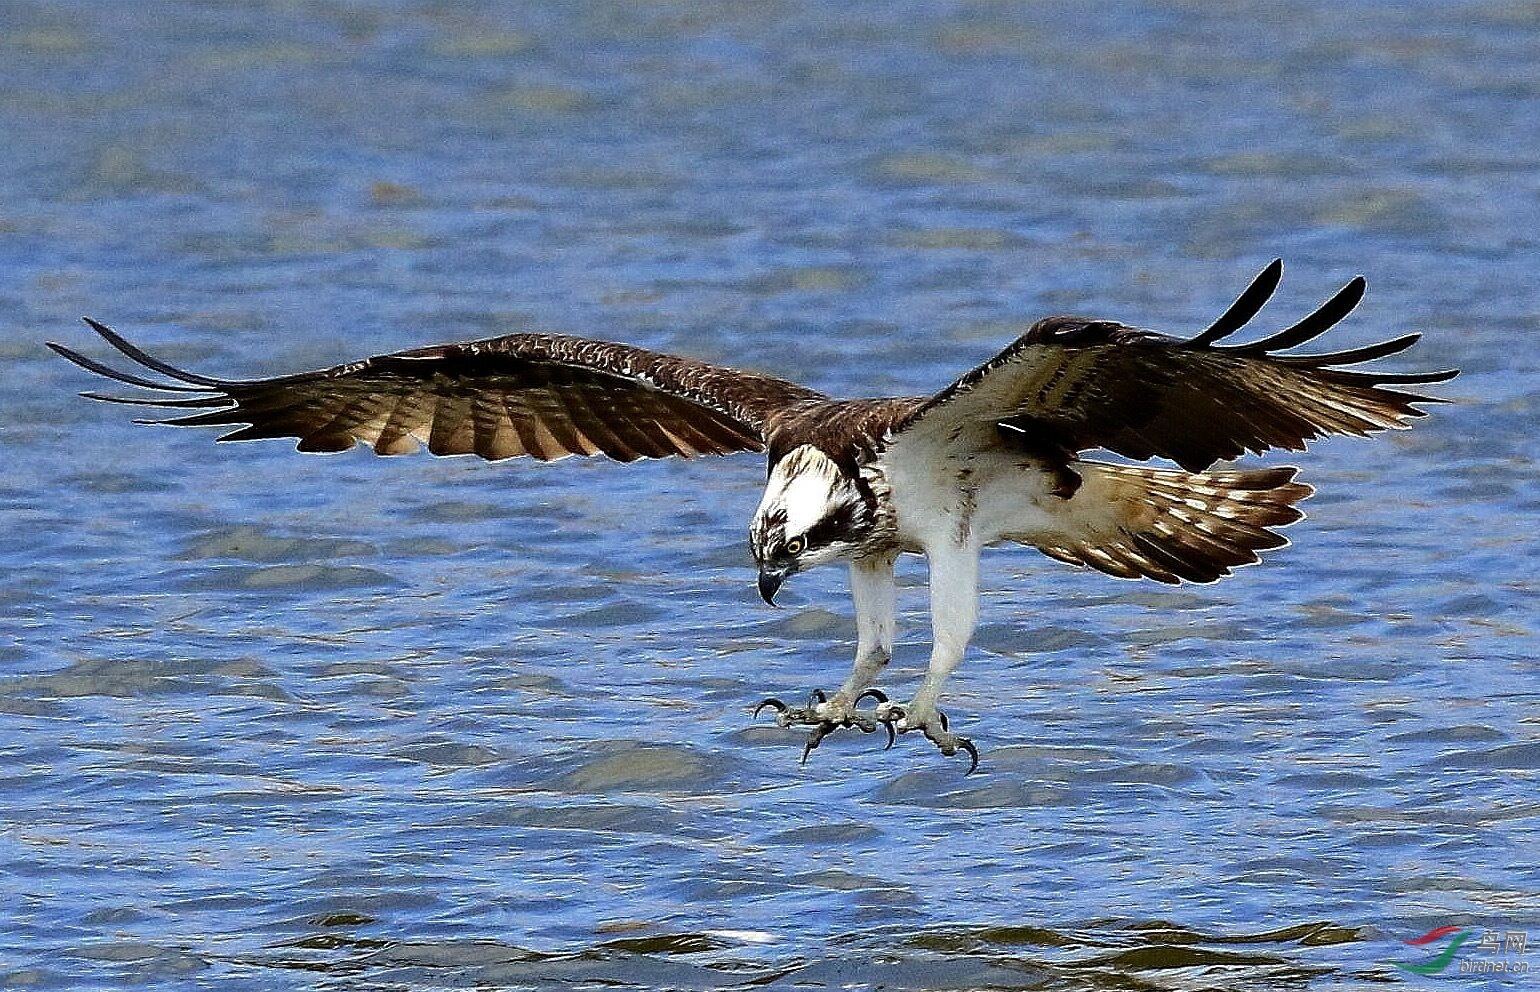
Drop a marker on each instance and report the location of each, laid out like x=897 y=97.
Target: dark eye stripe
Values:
x=836 y=525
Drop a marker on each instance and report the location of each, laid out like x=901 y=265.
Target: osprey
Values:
x=994 y=457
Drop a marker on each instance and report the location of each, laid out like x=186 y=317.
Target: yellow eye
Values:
x=796 y=545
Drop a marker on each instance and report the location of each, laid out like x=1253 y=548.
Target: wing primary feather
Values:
x=214 y=418
x=1166 y=560
x=1326 y=316
x=147 y=360
x=586 y=422
x=1394 y=378
x=706 y=434
x=448 y=434
x=579 y=439
x=629 y=420
x=200 y=401
x=108 y=372
x=182 y=422
x=1354 y=355
x=495 y=438
x=552 y=419
x=608 y=417
x=1402 y=397
x=329 y=421
x=1245 y=307
x=524 y=422
x=258 y=432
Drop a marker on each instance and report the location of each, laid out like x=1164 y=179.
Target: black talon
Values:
x=813 y=740
x=773 y=703
x=876 y=694
x=817 y=697
x=942 y=717
x=893 y=715
x=973 y=753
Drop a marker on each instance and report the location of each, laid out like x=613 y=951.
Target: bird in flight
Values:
x=994 y=457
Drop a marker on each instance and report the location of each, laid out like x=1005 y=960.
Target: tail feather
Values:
x=1170 y=525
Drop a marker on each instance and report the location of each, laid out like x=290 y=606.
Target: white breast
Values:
x=950 y=499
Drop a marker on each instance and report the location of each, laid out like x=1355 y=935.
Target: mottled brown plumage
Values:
x=1069 y=384
x=1170 y=526
x=851 y=432
x=1080 y=383
x=542 y=395
x=994 y=457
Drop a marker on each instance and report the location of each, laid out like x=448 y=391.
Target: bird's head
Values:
x=812 y=513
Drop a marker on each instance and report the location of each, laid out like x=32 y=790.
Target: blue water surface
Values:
x=271 y=720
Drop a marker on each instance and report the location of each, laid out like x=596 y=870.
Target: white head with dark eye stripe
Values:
x=812 y=513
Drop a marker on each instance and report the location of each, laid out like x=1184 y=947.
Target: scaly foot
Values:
x=827 y=715
x=934 y=726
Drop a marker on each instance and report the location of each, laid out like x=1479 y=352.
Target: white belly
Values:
x=970 y=500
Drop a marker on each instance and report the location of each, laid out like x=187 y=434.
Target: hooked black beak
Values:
x=769 y=581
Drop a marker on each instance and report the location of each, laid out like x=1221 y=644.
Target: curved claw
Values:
x=942 y=717
x=773 y=703
x=973 y=754
x=813 y=740
x=825 y=720
x=890 y=719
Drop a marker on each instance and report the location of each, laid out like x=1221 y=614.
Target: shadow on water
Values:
x=1100 y=955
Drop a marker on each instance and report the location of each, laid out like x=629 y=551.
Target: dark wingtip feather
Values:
x=108 y=372
x=147 y=360
x=1343 y=302
x=1245 y=307
x=198 y=401
x=1353 y=356
x=1390 y=378
x=1404 y=397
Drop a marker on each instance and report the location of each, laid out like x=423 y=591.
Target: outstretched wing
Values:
x=1073 y=383
x=543 y=395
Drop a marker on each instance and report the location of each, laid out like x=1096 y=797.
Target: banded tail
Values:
x=1169 y=525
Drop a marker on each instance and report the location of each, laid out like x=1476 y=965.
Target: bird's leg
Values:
x=954 y=576
x=873 y=591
